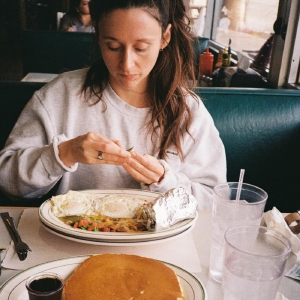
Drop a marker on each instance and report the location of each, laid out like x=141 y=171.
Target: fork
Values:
x=131 y=149
x=1 y=250
x=20 y=247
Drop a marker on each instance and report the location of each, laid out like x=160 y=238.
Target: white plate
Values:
x=14 y=288
x=54 y=225
x=114 y=243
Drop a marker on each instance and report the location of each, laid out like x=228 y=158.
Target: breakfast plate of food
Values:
x=173 y=278
x=116 y=243
x=106 y=217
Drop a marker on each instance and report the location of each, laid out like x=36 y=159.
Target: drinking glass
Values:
x=228 y=212
x=254 y=263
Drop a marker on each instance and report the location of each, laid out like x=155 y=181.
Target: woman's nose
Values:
x=127 y=59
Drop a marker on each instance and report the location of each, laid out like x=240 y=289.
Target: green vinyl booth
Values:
x=46 y=51
x=260 y=129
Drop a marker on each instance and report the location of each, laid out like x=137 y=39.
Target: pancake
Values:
x=122 y=277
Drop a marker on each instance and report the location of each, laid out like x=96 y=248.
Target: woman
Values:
x=76 y=129
x=78 y=18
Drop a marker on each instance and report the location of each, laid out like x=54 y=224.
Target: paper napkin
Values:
x=275 y=220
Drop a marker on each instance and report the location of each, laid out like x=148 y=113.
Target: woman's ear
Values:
x=166 y=37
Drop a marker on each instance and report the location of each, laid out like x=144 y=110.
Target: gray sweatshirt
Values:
x=30 y=164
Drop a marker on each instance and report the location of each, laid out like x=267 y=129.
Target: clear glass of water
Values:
x=254 y=263
x=227 y=213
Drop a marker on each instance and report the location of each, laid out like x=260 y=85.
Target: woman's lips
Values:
x=128 y=76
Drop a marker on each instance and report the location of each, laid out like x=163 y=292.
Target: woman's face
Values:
x=84 y=7
x=130 y=41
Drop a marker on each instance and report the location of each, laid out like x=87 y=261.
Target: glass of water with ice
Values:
x=254 y=263
x=228 y=212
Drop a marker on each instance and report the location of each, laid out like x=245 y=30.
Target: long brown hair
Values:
x=171 y=78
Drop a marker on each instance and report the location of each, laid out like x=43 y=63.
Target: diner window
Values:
x=294 y=74
x=248 y=25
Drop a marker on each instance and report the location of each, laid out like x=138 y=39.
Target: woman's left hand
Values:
x=144 y=168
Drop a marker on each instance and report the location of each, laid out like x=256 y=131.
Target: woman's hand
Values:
x=144 y=168
x=85 y=149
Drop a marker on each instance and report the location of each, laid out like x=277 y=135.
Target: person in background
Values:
x=75 y=131
x=78 y=18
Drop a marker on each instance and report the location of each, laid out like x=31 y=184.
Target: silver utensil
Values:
x=131 y=149
x=20 y=247
x=1 y=250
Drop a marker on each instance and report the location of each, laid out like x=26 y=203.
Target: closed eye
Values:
x=141 y=49
x=114 y=49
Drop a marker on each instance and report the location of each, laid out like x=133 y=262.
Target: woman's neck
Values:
x=86 y=20
x=137 y=97
x=133 y=98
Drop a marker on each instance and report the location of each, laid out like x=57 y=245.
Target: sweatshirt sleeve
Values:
x=29 y=162
x=204 y=164
x=66 y=22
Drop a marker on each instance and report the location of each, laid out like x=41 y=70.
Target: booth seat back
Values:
x=260 y=129
x=48 y=51
x=13 y=98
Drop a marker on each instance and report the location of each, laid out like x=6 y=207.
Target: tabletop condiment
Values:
x=46 y=286
x=229 y=53
x=219 y=59
x=206 y=63
x=219 y=74
x=205 y=81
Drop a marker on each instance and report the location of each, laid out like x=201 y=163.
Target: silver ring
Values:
x=100 y=155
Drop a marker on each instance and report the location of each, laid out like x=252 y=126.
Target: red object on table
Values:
x=206 y=63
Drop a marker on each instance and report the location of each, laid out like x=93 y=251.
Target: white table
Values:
x=39 y=77
x=201 y=234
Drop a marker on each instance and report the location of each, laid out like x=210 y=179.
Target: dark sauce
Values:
x=45 y=285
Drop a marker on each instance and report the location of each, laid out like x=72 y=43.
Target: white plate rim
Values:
x=195 y=287
x=49 y=219
x=117 y=243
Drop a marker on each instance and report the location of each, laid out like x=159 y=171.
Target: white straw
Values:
x=240 y=184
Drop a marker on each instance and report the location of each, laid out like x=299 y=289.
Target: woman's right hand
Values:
x=85 y=149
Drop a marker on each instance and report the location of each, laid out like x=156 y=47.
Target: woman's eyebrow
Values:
x=108 y=38
x=146 y=40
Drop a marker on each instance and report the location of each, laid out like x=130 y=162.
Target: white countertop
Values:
x=201 y=234
x=39 y=77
